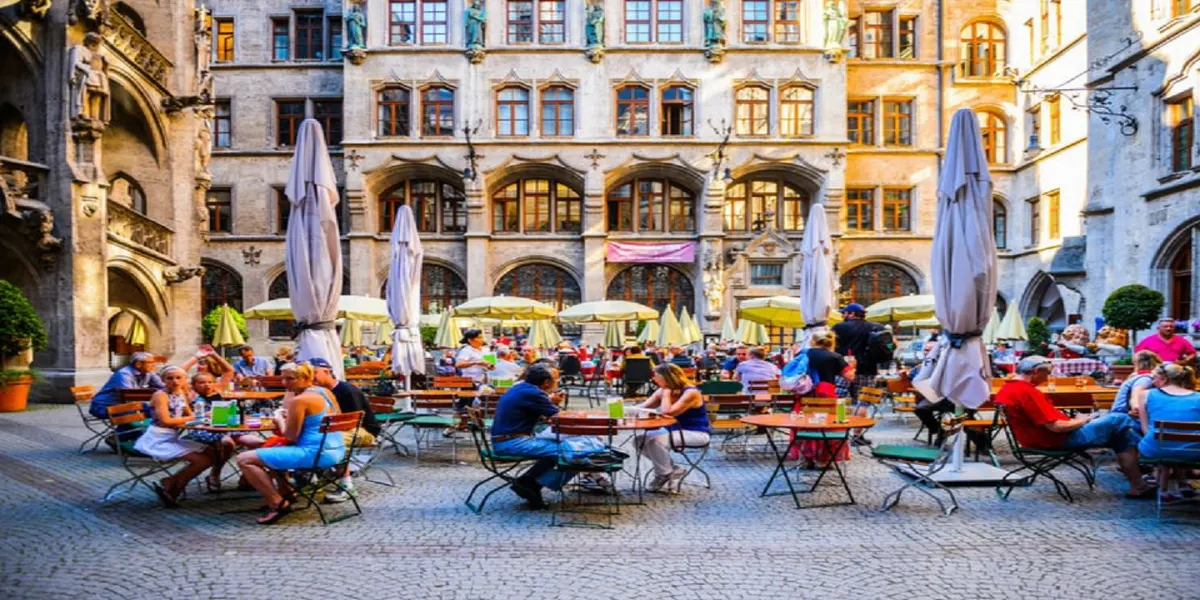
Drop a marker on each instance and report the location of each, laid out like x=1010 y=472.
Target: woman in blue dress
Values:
x=1173 y=398
x=299 y=421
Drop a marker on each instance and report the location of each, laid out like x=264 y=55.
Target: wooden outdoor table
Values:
x=247 y=395
x=459 y=394
x=786 y=421
x=267 y=426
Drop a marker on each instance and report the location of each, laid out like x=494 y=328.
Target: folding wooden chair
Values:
x=391 y=421
x=98 y=426
x=872 y=397
x=500 y=466
x=319 y=478
x=986 y=430
x=770 y=386
x=592 y=384
x=434 y=413
x=1186 y=432
x=725 y=412
x=591 y=427
x=270 y=383
x=722 y=388
x=138 y=465
x=453 y=383
x=904 y=458
x=692 y=454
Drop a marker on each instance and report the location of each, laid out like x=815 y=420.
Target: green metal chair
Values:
x=1042 y=463
x=905 y=459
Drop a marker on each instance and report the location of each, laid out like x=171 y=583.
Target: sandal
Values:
x=276 y=513
x=168 y=500
x=1147 y=493
x=212 y=484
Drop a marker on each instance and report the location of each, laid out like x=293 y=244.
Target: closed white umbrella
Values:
x=989 y=332
x=818 y=281
x=728 y=330
x=313 y=248
x=649 y=332
x=690 y=331
x=963 y=271
x=404 y=294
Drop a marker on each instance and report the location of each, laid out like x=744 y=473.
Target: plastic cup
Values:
x=616 y=408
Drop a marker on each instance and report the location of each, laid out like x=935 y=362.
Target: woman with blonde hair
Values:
x=1174 y=398
x=169 y=412
x=299 y=421
x=219 y=368
x=675 y=397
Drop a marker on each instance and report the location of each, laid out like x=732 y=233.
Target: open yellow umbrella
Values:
x=649 y=332
x=352 y=333
x=349 y=307
x=607 y=311
x=614 y=334
x=448 y=333
x=544 y=334
x=777 y=311
x=669 y=331
x=1013 y=325
x=505 y=307
x=920 y=323
x=752 y=334
x=227 y=333
x=902 y=308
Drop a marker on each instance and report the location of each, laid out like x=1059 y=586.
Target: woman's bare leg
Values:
x=197 y=462
x=259 y=476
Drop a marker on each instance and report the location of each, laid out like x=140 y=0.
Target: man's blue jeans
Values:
x=1114 y=430
x=547 y=450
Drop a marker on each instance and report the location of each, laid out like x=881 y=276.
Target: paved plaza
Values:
x=419 y=541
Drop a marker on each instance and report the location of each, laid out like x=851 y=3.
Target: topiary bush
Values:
x=1132 y=307
x=1039 y=336
x=20 y=326
x=208 y=327
x=428 y=335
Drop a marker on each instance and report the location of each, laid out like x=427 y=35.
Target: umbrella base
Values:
x=971 y=473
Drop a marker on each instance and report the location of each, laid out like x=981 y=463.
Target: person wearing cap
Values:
x=854 y=339
x=138 y=374
x=249 y=365
x=469 y=360
x=349 y=399
x=1036 y=423
x=679 y=359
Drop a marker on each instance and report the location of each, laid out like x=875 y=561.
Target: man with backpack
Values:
x=868 y=343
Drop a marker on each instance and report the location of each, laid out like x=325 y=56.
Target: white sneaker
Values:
x=675 y=478
x=656 y=484
x=338 y=496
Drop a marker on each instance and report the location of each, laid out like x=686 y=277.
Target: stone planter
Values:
x=14 y=394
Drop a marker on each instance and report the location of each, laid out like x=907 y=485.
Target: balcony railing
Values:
x=137 y=49
x=141 y=231
x=22 y=180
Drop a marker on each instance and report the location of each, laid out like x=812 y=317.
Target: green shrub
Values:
x=20 y=326
x=1132 y=307
x=428 y=335
x=1039 y=336
x=208 y=327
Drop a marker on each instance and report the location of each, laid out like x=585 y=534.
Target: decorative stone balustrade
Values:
x=136 y=49
x=139 y=230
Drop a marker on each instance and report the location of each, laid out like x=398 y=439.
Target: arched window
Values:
x=541 y=282
x=219 y=285
x=633 y=110
x=437 y=111
x=749 y=204
x=753 y=103
x=441 y=289
x=656 y=286
x=1000 y=224
x=871 y=282
x=993 y=131
x=394 y=111
x=651 y=204
x=438 y=207
x=512 y=111
x=126 y=191
x=547 y=206
x=1181 y=282
x=982 y=50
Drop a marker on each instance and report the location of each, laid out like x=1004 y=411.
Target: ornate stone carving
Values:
x=250 y=256
x=37 y=9
x=20 y=183
x=204 y=119
x=836 y=24
x=177 y=275
x=714 y=31
x=92 y=12
x=122 y=36
x=90 y=103
x=475 y=24
x=139 y=230
x=713 y=276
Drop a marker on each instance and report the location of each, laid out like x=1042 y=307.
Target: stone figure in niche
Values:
x=836 y=24
x=203 y=142
x=202 y=38
x=89 y=92
x=356 y=27
x=37 y=8
x=714 y=24
x=476 y=23
x=714 y=290
x=594 y=29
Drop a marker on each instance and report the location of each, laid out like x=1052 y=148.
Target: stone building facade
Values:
x=102 y=164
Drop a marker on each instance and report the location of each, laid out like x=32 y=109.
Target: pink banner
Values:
x=641 y=252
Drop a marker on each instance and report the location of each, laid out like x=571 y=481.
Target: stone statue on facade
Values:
x=714 y=291
x=204 y=117
x=594 y=30
x=90 y=11
x=836 y=24
x=356 y=33
x=202 y=39
x=180 y=274
x=476 y=31
x=90 y=106
x=714 y=30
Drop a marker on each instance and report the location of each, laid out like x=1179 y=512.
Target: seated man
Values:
x=1037 y=424
x=249 y=365
x=755 y=369
x=139 y=373
x=741 y=355
x=519 y=410
x=505 y=369
x=681 y=359
x=350 y=399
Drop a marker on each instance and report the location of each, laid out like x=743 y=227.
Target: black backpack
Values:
x=881 y=346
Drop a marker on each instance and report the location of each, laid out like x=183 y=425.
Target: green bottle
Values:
x=841 y=410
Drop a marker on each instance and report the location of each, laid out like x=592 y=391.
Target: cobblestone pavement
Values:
x=419 y=541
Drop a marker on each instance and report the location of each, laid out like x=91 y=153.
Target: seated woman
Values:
x=205 y=388
x=299 y=421
x=676 y=397
x=219 y=368
x=169 y=411
x=1174 y=399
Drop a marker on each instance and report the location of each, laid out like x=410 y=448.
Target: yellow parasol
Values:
x=649 y=332
x=728 y=330
x=777 y=311
x=669 y=331
x=349 y=307
x=505 y=307
x=606 y=311
x=227 y=333
x=902 y=308
x=1013 y=325
x=614 y=334
x=690 y=330
x=352 y=333
x=989 y=332
x=448 y=333
x=752 y=334
x=544 y=334
x=136 y=335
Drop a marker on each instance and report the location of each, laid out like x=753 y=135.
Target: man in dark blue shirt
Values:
x=741 y=355
x=519 y=410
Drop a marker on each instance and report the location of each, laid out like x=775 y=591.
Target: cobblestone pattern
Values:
x=419 y=541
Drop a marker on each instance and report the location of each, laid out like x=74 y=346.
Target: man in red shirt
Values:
x=1037 y=424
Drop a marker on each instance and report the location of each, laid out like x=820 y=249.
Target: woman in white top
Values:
x=469 y=360
x=169 y=411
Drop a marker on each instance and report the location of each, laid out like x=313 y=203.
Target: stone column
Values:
x=479 y=280
x=710 y=231
x=594 y=284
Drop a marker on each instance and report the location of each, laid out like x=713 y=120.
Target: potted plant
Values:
x=1132 y=307
x=21 y=333
x=1038 y=334
x=1121 y=368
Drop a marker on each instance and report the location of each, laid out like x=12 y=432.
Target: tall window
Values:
x=651 y=205
x=756 y=21
x=512 y=111
x=224 y=45
x=860 y=122
x=795 y=111
x=219 y=285
x=544 y=283
x=334 y=51
x=897 y=209
x=219 y=203
x=437 y=111
x=1181 y=123
x=1054 y=210
x=222 y=124
x=441 y=289
x=288 y=115
x=993 y=132
x=552 y=18
x=1055 y=108
x=1044 y=25
x=753 y=110
x=752 y=205
x=906 y=38
x=668 y=18
x=677 y=111
x=558 y=111
x=394 y=111
x=537 y=205
x=1035 y=126
x=404 y=26
x=283 y=211
x=433 y=22
x=787 y=21
x=1000 y=225
x=329 y=114
x=871 y=282
x=897 y=122
x=763 y=18
x=402 y=22
x=520 y=21
x=877 y=34
x=633 y=110
x=766 y=274
x=656 y=286
x=310 y=35
x=860 y=209
x=437 y=206
x=639 y=21
x=982 y=50
x=649 y=21
x=280 y=39
x=548 y=20
x=1181 y=282
x=1035 y=221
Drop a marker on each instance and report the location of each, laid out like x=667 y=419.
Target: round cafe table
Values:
x=634 y=425
x=266 y=426
x=837 y=434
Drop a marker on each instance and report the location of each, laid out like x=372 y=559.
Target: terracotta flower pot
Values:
x=14 y=395
x=1121 y=372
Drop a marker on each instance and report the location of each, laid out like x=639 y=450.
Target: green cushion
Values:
x=433 y=421
x=503 y=457
x=1169 y=461
x=816 y=435
x=394 y=417
x=898 y=452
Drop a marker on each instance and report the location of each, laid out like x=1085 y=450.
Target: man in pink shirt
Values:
x=1168 y=346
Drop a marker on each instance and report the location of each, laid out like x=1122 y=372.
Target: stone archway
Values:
x=126 y=294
